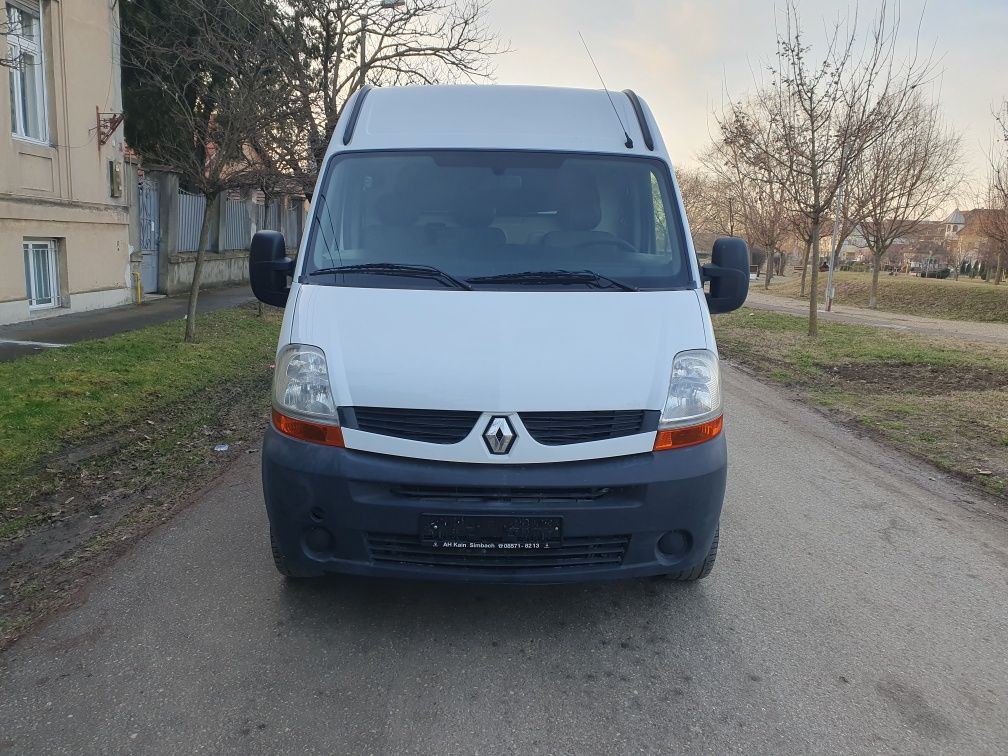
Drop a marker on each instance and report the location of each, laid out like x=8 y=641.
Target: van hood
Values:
x=498 y=351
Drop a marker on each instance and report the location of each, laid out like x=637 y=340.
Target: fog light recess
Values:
x=318 y=540
x=675 y=544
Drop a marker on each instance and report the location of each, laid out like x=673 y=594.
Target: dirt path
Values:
x=963 y=330
x=105 y=495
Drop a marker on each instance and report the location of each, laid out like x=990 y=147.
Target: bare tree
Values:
x=206 y=65
x=801 y=231
x=711 y=207
x=814 y=120
x=904 y=177
x=993 y=219
x=758 y=196
x=696 y=186
x=330 y=48
x=993 y=223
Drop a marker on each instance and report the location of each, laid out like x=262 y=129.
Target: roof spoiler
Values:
x=355 y=113
x=641 y=118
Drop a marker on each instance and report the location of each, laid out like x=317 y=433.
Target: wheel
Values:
x=280 y=562
x=704 y=569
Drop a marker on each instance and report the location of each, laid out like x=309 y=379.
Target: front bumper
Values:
x=337 y=510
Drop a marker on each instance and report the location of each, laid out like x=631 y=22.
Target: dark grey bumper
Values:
x=327 y=505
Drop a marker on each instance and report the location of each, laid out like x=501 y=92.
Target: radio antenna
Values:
x=629 y=141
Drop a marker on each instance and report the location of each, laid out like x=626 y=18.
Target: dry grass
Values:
x=64 y=398
x=965 y=299
x=944 y=401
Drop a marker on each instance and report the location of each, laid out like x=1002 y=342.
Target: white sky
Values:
x=683 y=55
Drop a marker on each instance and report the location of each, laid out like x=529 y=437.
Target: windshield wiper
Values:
x=561 y=277
x=396 y=269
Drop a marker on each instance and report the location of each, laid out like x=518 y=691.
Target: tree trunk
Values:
x=804 y=272
x=813 y=312
x=769 y=270
x=873 y=295
x=211 y=214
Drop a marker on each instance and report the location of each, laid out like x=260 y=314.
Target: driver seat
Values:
x=579 y=211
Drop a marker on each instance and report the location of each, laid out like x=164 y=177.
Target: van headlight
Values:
x=694 y=394
x=692 y=413
x=301 y=383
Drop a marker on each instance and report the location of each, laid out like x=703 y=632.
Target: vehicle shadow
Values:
x=473 y=613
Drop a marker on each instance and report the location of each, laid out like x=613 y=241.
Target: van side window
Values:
x=662 y=241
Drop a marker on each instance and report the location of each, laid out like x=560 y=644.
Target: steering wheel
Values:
x=608 y=242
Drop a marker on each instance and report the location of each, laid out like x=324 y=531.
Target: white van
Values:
x=496 y=361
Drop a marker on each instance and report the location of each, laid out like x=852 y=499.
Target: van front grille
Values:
x=430 y=426
x=591 y=551
x=559 y=428
x=452 y=426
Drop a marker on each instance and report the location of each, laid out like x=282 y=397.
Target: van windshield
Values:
x=496 y=220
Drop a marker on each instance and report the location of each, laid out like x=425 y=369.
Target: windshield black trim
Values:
x=659 y=163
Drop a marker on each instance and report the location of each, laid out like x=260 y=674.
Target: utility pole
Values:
x=362 y=66
x=837 y=215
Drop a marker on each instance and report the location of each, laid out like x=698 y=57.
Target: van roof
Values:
x=495 y=117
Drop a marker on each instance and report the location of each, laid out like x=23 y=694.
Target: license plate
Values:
x=490 y=532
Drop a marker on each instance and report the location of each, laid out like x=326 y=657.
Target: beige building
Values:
x=64 y=222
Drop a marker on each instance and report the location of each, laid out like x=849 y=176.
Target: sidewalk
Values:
x=21 y=339
x=963 y=330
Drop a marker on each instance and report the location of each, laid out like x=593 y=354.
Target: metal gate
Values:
x=150 y=233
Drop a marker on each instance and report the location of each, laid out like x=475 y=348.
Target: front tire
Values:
x=284 y=567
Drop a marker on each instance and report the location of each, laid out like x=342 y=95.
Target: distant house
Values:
x=853 y=249
x=976 y=244
x=925 y=248
x=63 y=207
x=954 y=224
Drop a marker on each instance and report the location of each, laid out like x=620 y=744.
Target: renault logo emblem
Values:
x=499 y=435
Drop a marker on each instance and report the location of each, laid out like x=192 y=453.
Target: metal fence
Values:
x=190 y=218
x=237 y=227
x=295 y=223
x=236 y=232
x=267 y=216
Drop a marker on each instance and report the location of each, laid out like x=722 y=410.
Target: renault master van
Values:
x=496 y=361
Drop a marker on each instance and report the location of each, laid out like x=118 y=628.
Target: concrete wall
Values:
x=59 y=189
x=219 y=269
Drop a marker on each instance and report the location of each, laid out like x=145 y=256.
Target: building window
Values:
x=41 y=274
x=27 y=78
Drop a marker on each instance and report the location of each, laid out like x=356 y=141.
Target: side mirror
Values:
x=269 y=268
x=728 y=274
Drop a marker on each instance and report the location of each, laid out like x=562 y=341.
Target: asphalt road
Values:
x=859 y=604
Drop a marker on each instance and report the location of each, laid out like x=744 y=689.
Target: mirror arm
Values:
x=709 y=272
x=285 y=264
